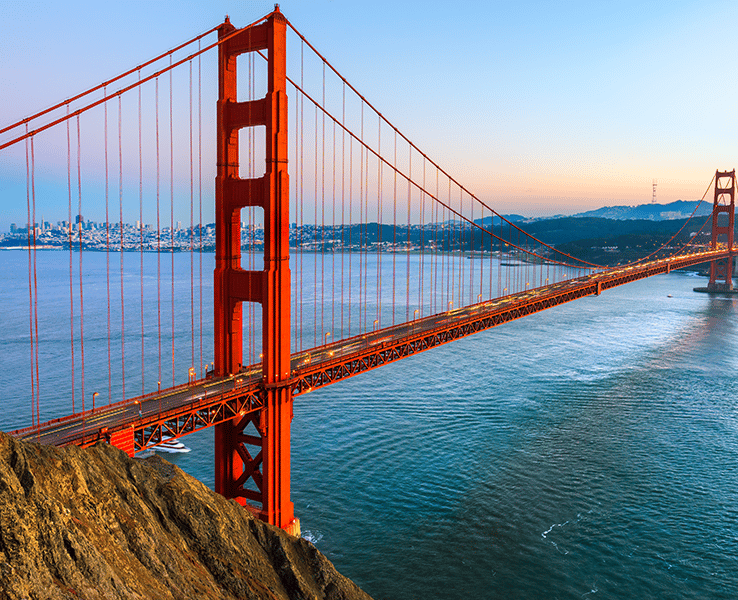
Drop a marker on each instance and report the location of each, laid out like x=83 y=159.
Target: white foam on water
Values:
x=545 y=533
x=312 y=536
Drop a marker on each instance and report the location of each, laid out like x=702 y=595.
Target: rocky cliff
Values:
x=95 y=523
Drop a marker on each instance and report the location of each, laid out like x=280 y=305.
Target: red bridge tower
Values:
x=268 y=473
x=721 y=271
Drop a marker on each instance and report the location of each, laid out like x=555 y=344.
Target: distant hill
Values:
x=599 y=230
x=495 y=221
x=681 y=209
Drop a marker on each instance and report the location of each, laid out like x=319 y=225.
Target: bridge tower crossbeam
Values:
x=721 y=271
x=265 y=477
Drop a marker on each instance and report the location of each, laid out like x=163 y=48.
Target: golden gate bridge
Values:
x=340 y=247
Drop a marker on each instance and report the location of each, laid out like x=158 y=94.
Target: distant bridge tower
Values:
x=265 y=477
x=721 y=271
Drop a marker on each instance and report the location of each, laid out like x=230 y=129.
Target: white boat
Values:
x=169 y=444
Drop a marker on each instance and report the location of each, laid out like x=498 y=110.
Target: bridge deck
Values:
x=191 y=407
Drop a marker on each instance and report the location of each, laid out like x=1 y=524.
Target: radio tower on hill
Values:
x=653 y=197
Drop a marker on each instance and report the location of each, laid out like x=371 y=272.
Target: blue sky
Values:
x=538 y=107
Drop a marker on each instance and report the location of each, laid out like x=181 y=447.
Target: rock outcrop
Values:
x=95 y=523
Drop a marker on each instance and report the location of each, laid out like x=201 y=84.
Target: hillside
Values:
x=680 y=209
x=84 y=524
x=571 y=229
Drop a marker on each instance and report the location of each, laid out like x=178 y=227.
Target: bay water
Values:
x=589 y=451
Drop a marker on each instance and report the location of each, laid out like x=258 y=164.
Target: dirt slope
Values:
x=95 y=523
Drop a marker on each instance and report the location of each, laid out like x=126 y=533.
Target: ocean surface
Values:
x=589 y=451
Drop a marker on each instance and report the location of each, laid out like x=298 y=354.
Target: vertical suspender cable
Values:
x=140 y=237
x=35 y=279
x=122 y=298
x=362 y=221
x=407 y=250
x=394 y=227
x=462 y=235
x=302 y=183
x=158 y=231
x=444 y=250
x=192 y=239
x=491 y=252
x=440 y=265
x=481 y=258
x=366 y=214
x=199 y=193
x=171 y=198
x=421 y=270
x=452 y=257
x=333 y=240
x=343 y=200
x=520 y=271
x=471 y=253
x=315 y=231
x=379 y=225
x=71 y=242
x=107 y=246
x=296 y=188
x=461 y=229
x=462 y=241
x=351 y=227
x=322 y=217
x=31 y=228
x=294 y=211
x=499 y=259
x=432 y=254
x=81 y=293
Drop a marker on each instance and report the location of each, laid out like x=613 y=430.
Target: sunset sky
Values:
x=538 y=107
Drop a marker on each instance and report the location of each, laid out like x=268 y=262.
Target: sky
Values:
x=539 y=108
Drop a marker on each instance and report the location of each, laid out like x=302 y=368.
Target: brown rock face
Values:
x=95 y=523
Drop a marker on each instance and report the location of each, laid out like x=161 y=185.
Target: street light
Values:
x=376 y=324
x=327 y=333
x=415 y=313
x=450 y=304
x=95 y=395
